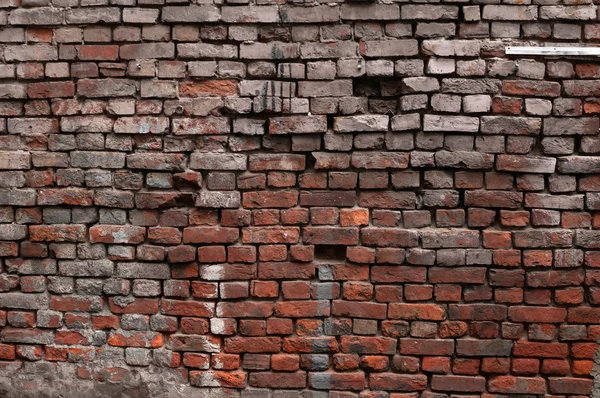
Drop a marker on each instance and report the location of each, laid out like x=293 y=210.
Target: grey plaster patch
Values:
x=62 y=380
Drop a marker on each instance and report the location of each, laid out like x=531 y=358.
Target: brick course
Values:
x=285 y=199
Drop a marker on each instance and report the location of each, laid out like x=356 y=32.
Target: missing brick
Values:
x=330 y=253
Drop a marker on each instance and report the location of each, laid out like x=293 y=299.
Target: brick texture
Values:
x=298 y=199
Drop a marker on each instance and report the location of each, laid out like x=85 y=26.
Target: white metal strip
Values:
x=589 y=51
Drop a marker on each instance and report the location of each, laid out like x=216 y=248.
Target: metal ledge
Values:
x=585 y=51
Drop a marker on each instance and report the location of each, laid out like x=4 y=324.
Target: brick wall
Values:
x=251 y=200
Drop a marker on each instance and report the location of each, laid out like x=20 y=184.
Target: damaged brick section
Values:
x=284 y=199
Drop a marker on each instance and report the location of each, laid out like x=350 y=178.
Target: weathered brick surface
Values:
x=354 y=199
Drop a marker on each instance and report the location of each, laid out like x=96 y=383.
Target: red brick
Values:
x=57 y=233
x=397 y=382
x=278 y=379
x=540 y=350
x=195 y=360
x=7 y=352
x=495 y=365
x=458 y=383
x=338 y=381
x=218 y=379
x=252 y=344
x=208 y=88
x=531 y=314
x=570 y=385
x=210 y=235
x=270 y=235
x=285 y=362
x=225 y=361
x=186 y=308
x=463 y=366
x=354 y=217
x=359 y=310
x=436 y=364
x=136 y=306
x=98 y=52
x=424 y=312
x=117 y=234
x=525 y=366
x=78 y=304
x=409 y=346
x=51 y=90
x=517 y=385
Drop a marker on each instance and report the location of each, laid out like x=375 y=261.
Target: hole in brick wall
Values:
x=366 y=87
x=330 y=253
x=310 y=162
x=330 y=121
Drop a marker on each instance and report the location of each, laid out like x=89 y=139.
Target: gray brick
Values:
x=192 y=13
x=335 y=88
x=575 y=13
x=449 y=48
x=510 y=12
x=450 y=123
x=272 y=50
x=361 y=123
x=508 y=125
x=210 y=161
x=429 y=11
x=250 y=14
x=315 y=14
x=36 y=16
x=389 y=48
x=354 y=12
